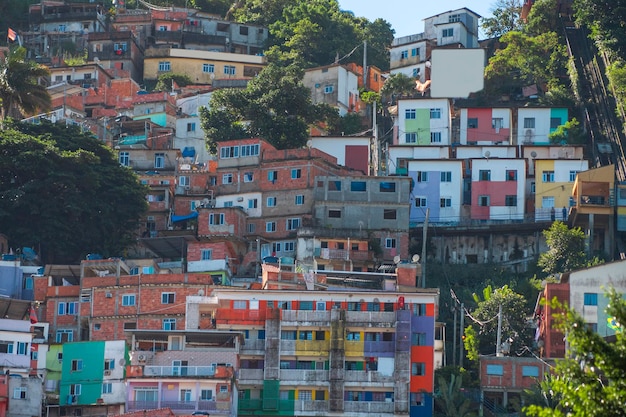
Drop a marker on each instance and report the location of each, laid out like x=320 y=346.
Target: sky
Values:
x=406 y=16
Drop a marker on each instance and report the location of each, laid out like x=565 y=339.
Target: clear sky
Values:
x=406 y=16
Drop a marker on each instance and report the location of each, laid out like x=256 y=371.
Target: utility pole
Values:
x=461 y=332
x=364 y=64
x=454 y=337
x=499 y=336
x=424 y=233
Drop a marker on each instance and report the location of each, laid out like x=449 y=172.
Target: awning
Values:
x=192 y=215
x=189 y=152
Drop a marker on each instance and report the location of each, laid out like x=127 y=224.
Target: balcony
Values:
x=370 y=318
x=190 y=406
x=305 y=318
x=181 y=371
x=305 y=347
x=302 y=376
x=207 y=266
x=251 y=347
x=369 y=377
x=250 y=376
x=373 y=407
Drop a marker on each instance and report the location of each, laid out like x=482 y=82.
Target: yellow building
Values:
x=203 y=67
x=554 y=181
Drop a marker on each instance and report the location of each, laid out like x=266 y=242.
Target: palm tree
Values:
x=20 y=91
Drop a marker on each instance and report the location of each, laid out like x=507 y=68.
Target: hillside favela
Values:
x=279 y=208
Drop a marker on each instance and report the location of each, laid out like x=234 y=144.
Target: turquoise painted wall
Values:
x=89 y=376
x=558 y=113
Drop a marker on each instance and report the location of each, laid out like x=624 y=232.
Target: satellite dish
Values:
x=122 y=362
x=533 y=154
x=200 y=292
x=487 y=154
x=396 y=259
x=415 y=259
x=309 y=143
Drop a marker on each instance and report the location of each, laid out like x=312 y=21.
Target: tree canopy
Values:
x=275 y=106
x=591 y=380
x=566 y=249
x=506 y=17
x=63 y=192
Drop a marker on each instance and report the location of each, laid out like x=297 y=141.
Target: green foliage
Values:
x=471 y=343
x=63 y=191
x=349 y=124
x=449 y=398
x=275 y=106
x=75 y=60
x=506 y=17
x=591 y=380
x=164 y=82
x=616 y=73
x=605 y=19
x=398 y=85
x=566 y=249
x=568 y=133
x=20 y=91
x=543 y=17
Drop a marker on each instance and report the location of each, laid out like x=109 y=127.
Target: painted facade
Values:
x=498 y=189
x=534 y=125
x=486 y=126
x=554 y=182
x=422 y=122
x=335 y=85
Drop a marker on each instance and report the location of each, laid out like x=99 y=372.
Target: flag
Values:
x=33 y=315
x=12 y=35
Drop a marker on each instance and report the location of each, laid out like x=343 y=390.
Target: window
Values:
x=253 y=203
x=495 y=370
x=288 y=335
x=162 y=28
x=22 y=348
x=328 y=89
x=422 y=176
x=445 y=202
x=472 y=123
x=206 y=395
x=454 y=18
x=591 y=299
x=169 y=324
x=208 y=68
x=416 y=399
x=419 y=309
x=227 y=179
x=206 y=254
x=555 y=122
x=358 y=186
x=69 y=308
x=124 y=159
x=414 y=52
x=511 y=175
x=547 y=202
x=77 y=365
x=293 y=224
x=223 y=388
x=435 y=137
x=355 y=336
x=547 y=176
x=250 y=150
x=334 y=185
x=243 y=30
x=410 y=114
x=185 y=395
x=418 y=339
x=483 y=200
x=299 y=200
x=387 y=187
x=228 y=203
x=107 y=388
x=251 y=227
x=271 y=202
x=510 y=201
x=191 y=127
x=272 y=176
x=128 y=299
x=289 y=246
x=484 y=175
x=216 y=219
x=240 y=304
x=404 y=54
x=390 y=243
x=19 y=393
x=418 y=369
x=497 y=123
x=446 y=176
x=296 y=173
x=183 y=180
x=229 y=152
x=109 y=364
x=229 y=70
x=168 y=297
x=415 y=72
x=64 y=335
x=164 y=66
x=532 y=187
x=447 y=33
x=334 y=214
x=572 y=176
x=159 y=160
x=420 y=202
x=530 y=371
x=529 y=122
x=389 y=214
x=270 y=226
x=410 y=137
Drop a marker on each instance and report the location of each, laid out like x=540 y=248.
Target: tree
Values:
x=275 y=106
x=506 y=17
x=566 y=249
x=397 y=85
x=20 y=91
x=570 y=132
x=605 y=18
x=591 y=380
x=64 y=192
x=450 y=400
x=166 y=81
x=543 y=17
x=514 y=329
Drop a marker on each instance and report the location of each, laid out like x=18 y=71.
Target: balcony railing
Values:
x=305 y=316
x=248 y=375
x=182 y=371
x=304 y=376
x=373 y=407
x=201 y=405
x=253 y=345
x=375 y=318
x=367 y=377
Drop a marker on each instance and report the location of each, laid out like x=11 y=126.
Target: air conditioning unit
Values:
x=109 y=295
x=187 y=187
x=141 y=358
x=107 y=373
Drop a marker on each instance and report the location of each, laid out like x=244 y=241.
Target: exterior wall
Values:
x=497 y=188
x=551 y=340
x=531 y=153
x=464 y=23
x=538 y=135
x=484 y=132
x=425 y=123
x=191 y=63
x=18 y=339
x=351 y=152
x=334 y=85
x=400 y=155
x=555 y=192
x=443 y=193
x=31 y=389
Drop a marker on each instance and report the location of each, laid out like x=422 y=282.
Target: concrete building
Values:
x=553 y=186
x=335 y=85
x=422 y=122
x=486 y=126
x=534 y=124
x=498 y=189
